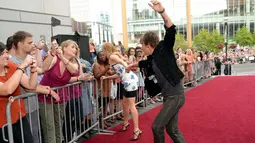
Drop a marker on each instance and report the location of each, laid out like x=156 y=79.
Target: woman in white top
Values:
x=130 y=82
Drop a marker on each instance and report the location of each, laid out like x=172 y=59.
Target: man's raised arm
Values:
x=157 y=6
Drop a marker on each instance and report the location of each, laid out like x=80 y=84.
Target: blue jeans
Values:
x=168 y=118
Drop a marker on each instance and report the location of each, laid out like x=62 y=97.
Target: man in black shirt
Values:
x=168 y=76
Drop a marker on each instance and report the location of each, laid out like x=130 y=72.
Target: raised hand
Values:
x=33 y=66
x=59 y=52
x=156 y=5
x=40 y=44
x=28 y=61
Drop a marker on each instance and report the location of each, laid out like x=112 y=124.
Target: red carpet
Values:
x=220 y=111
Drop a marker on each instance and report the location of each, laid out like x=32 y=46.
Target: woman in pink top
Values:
x=59 y=67
x=190 y=58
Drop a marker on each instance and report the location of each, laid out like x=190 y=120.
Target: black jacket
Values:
x=151 y=86
x=164 y=58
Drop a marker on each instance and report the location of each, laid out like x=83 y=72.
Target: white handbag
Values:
x=113 y=93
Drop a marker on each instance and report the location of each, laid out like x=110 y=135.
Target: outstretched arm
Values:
x=118 y=60
x=157 y=6
x=169 y=39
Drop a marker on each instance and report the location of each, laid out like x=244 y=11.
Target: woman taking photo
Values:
x=130 y=82
x=59 y=68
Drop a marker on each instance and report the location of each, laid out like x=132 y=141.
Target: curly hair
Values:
x=150 y=38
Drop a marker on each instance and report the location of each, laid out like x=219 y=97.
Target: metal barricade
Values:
x=66 y=121
x=199 y=70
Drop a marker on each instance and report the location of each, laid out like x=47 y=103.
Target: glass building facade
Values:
x=205 y=14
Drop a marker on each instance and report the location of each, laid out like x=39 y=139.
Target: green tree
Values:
x=206 y=41
x=201 y=40
x=180 y=42
x=243 y=37
x=215 y=39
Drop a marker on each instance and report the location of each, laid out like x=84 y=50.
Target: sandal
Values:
x=125 y=127
x=136 y=135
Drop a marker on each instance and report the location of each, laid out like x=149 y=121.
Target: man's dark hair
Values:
x=150 y=38
x=9 y=43
x=20 y=36
x=2 y=47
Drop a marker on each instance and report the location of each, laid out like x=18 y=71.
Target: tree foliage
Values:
x=243 y=37
x=201 y=40
x=206 y=41
x=180 y=42
x=215 y=39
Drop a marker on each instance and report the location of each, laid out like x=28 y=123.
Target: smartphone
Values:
x=42 y=37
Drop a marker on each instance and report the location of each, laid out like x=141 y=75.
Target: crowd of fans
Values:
x=53 y=115
x=26 y=67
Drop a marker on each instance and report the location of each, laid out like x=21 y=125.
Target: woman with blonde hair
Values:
x=59 y=67
x=130 y=82
x=190 y=59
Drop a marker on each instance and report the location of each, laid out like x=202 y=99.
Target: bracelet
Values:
x=50 y=92
x=33 y=71
x=162 y=11
x=21 y=69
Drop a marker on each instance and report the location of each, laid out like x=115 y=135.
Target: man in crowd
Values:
x=24 y=46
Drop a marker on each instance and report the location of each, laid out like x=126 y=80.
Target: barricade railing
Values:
x=66 y=121
x=205 y=69
x=196 y=74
